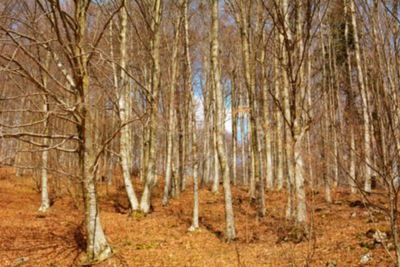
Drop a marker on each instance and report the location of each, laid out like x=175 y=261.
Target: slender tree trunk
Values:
x=278 y=118
x=310 y=112
x=266 y=120
x=393 y=223
x=352 y=165
x=230 y=225
x=155 y=86
x=45 y=195
x=326 y=148
x=300 y=127
x=171 y=107
x=325 y=120
x=110 y=163
x=364 y=100
x=146 y=130
x=186 y=136
x=290 y=142
x=250 y=156
x=216 y=162
x=394 y=92
x=234 y=126
x=188 y=84
x=181 y=145
x=175 y=162
x=331 y=113
x=249 y=66
x=19 y=147
x=206 y=108
x=243 y=143
x=337 y=113
x=124 y=96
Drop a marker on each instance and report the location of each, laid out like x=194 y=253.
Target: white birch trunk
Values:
x=230 y=225
x=45 y=205
x=125 y=138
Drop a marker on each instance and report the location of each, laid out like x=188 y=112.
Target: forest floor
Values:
x=341 y=232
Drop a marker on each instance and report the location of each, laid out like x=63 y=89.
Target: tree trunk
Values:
x=331 y=113
x=310 y=112
x=230 y=225
x=188 y=85
x=207 y=143
x=266 y=120
x=243 y=142
x=155 y=86
x=124 y=96
x=325 y=120
x=300 y=126
x=249 y=67
x=364 y=100
x=216 y=161
x=45 y=195
x=234 y=126
x=352 y=165
x=171 y=107
x=97 y=248
x=290 y=142
x=278 y=118
x=45 y=205
x=250 y=156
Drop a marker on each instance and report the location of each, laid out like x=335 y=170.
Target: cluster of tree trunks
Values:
x=308 y=88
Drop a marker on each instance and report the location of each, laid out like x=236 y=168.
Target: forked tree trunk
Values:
x=97 y=248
